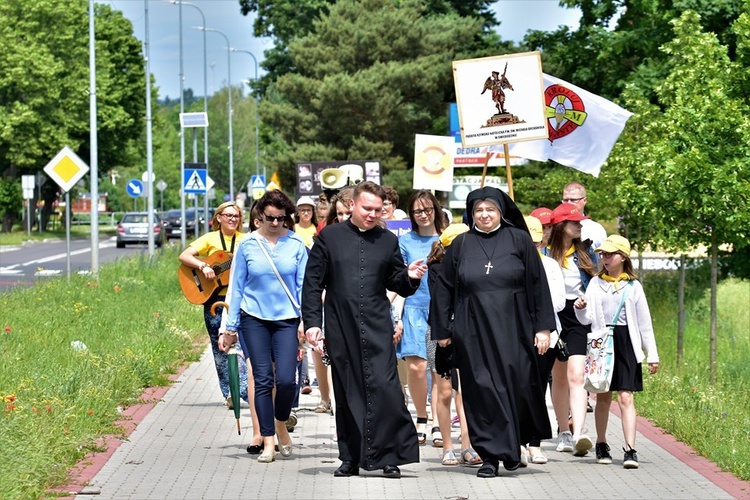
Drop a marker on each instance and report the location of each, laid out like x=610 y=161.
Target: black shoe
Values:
x=255 y=449
x=602 y=454
x=631 y=459
x=488 y=469
x=511 y=464
x=347 y=468
x=392 y=472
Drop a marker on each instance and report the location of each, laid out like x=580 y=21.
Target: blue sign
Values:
x=454 y=124
x=134 y=187
x=195 y=181
x=398 y=227
x=257 y=181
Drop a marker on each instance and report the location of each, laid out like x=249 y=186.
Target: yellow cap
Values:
x=615 y=243
x=451 y=232
x=535 y=228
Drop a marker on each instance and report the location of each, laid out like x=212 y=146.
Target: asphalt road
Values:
x=32 y=262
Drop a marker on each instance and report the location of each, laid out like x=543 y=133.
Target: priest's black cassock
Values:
x=356 y=268
x=502 y=299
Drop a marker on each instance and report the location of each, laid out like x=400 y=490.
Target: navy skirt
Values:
x=627 y=374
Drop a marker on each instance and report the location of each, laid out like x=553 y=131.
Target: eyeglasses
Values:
x=387 y=204
x=277 y=218
x=607 y=255
x=426 y=211
x=230 y=216
x=305 y=210
x=573 y=200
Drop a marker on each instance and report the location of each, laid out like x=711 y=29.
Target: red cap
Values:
x=567 y=212
x=544 y=215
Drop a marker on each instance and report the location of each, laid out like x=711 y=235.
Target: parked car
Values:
x=133 y=228
x=173 y=221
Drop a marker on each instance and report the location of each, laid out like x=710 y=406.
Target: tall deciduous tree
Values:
x=684 y=171
x=44 y=80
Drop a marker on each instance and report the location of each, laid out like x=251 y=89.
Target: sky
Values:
x=516 y=16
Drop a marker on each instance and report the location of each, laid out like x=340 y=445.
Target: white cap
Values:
x=306 y=200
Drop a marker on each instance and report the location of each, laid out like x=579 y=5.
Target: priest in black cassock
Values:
x=355 y=262
x=494 y=306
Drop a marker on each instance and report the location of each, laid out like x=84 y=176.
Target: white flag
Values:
x=583 y=128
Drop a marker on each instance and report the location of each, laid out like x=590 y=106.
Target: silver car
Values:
x=133 y=228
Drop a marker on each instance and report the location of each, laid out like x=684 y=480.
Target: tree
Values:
x=684 y=171
x=364 y=85
x=286 y=20
x=44 y=79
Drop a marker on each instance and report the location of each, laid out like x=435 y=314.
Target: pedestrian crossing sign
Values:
x=195 y=181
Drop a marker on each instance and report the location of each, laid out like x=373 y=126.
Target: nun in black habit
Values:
x=494 y=306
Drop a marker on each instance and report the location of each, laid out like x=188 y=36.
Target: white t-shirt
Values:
x=592 y=230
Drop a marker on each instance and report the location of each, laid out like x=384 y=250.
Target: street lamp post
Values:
x=229 y=84
x=205 y=109
x=257 y=119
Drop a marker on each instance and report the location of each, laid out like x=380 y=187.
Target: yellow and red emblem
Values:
x=565 y=111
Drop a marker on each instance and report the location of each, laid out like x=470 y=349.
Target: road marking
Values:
x=63 y=255
x=48 y=272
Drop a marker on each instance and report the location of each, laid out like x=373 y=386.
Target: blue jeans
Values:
x=272 y=346
x=220 y=358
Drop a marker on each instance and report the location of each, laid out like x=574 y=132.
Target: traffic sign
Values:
x=161 y=185
x=194 y=181
x=193 y=120
x=66 y=169
x=134 y=187
x=258 y=181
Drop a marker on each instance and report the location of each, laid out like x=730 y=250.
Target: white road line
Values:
x=63 y=255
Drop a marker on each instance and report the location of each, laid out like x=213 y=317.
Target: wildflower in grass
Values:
x=7 y=328
x=35 y=410
x=9 y=407
x=157 y=315
x=117 y=288
x=90 y=412
x=48 y=408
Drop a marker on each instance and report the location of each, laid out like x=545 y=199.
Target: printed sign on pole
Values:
x=433 y=162
x=195 y=180
x=500 y=99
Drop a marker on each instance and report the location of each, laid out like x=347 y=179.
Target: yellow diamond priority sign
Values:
x=66 y=169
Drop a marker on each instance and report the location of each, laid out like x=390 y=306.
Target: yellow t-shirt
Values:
x=306 y=233
x=210 y=242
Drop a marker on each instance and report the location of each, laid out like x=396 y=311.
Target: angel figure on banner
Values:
x=496 y=83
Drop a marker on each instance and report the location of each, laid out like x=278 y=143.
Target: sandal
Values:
x=437 y=437
x=421 y=436
x=449 y=458
x=470 y=457
x=323 y=407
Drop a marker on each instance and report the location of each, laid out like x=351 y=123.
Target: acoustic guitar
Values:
x=196 y=287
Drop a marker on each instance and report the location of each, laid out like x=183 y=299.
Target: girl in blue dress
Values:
x=427 y=223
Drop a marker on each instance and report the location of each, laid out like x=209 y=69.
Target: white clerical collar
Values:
x=487 y=232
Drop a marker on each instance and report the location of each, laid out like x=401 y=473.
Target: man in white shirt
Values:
x=575 y=194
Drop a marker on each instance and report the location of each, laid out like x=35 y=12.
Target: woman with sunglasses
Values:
x=226 y=235
x=266 y=282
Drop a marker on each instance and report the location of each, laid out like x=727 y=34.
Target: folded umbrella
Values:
x=234 y=382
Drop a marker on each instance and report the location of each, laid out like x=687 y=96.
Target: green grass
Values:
x=714 y=420
x=56 y=401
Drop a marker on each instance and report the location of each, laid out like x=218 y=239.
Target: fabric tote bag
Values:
x=600 y=353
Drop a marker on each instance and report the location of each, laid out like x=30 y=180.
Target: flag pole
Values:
x=484 y=170
x=507 y=171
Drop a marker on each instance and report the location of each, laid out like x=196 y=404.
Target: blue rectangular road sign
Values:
x=195 y=181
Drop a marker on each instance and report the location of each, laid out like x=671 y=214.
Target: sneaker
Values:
x=455 y=422
x=306 y=389
x=565 y=442
x=602 y=454
x=631 y=459
x=582 y=445
x=291 y=422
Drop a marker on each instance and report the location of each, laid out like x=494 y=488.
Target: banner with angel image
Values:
x=500 y=99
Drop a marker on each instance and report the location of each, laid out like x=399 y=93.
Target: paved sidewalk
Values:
x=187 y=447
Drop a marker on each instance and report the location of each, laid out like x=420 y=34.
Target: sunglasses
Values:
x=277 y=218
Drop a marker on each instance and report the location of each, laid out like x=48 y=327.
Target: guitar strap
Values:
x=221 y=289
x=224 y=245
